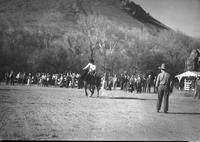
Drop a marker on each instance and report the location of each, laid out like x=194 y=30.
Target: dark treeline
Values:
x=115 y=48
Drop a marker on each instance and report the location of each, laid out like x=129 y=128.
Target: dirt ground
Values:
x=41 y=113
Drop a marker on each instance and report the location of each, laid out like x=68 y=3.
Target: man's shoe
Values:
x=157 y=110
x=165 y=112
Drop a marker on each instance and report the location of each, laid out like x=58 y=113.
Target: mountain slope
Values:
x=52 y=35
x=63 y=14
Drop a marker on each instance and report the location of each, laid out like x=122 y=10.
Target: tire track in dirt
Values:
x=4 y=116
x=50 y=117
x=26 y=124
x=61 y=118
x=40 y=126
x=14 y=122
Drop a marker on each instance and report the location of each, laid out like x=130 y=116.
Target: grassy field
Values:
x=41 y=113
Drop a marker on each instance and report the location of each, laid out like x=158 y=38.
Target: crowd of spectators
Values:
x=41 y=79
x=124 y=81
x=130 y=82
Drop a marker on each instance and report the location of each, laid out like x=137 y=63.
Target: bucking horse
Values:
x=91 y=82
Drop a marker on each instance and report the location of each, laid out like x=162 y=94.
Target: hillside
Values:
x=62 y=14
x=60 y=35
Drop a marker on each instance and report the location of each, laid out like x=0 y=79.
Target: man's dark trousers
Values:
x=163 y=93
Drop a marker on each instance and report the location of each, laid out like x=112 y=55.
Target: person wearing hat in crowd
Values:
x=163 y=86
x=197 y=88
x=90 y=68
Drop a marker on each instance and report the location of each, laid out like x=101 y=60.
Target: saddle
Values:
x=90 y=75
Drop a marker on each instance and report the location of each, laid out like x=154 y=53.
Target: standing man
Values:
x=114 y=82
x=148 y=84
x=197 y=88
x=163 y=86
x=7 y=78
x=154 y=84
x=29 y=79
x=12 y=78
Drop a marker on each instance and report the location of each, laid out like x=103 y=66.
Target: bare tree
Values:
x=94 y=29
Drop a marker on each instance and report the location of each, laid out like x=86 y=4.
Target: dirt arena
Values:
x=41 y=113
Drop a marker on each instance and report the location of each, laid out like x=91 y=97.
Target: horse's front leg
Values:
x=85 y=87
x=98 y=89
x=92 y=90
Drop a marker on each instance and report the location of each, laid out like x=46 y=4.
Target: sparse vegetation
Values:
x=114 y=46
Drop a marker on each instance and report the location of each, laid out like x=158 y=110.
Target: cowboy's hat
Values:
x=92 y=60
x=162 y=67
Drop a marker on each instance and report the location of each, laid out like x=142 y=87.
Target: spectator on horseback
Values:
x=90 y=68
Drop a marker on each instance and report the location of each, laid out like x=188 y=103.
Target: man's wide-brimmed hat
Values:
x=162 y=67
x=92 y=60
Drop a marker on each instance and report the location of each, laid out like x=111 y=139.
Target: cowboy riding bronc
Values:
x=90 y=68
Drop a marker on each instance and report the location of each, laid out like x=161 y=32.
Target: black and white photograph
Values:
x=119 y=70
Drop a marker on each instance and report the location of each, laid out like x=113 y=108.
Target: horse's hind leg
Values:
x=85 y=87
x=98 y=88
x=86 y=92
x=97 y=92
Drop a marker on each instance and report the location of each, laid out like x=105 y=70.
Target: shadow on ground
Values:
x=185 y=113
x=129 y=98
x=5 y=89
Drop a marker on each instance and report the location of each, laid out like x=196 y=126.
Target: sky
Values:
x=181 y=15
